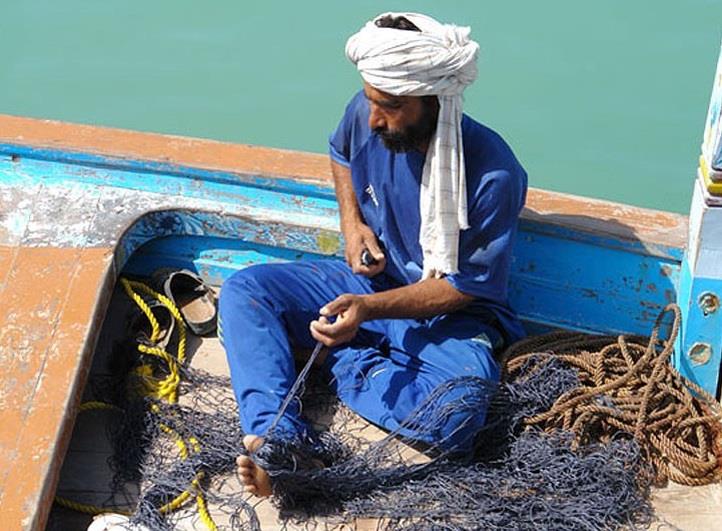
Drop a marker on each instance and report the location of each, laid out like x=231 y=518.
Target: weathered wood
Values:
x=46 y=335
x=78 y=201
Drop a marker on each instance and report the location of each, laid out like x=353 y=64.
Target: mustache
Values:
x=397 y=141
x=384 y=132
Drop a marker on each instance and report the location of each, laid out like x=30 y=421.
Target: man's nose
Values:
x=376 y=119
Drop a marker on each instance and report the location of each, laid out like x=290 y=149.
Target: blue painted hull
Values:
x=215 y=222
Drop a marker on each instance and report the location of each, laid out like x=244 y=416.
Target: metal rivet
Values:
x=708 y=303
x=700 y=353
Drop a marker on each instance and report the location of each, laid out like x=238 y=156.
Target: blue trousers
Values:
x=384 y=374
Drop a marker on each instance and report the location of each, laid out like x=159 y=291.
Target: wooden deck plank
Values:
x=28 y=316
x=43 y=330
x=690 y=508
x=176 y=150
x=7 y=257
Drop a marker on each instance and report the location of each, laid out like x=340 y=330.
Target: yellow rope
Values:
x=155 y=327
x=87 y=508
x=162 y=389
x=183 y=450
x=165 y=389
x=130 y=285
x=93 y=406
x=204 y=514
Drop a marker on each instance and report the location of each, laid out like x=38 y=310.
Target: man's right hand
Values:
x=358 y=239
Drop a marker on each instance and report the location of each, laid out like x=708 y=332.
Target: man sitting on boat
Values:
x=429 y=201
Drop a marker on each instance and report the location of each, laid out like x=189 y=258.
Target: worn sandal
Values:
x=193 y=298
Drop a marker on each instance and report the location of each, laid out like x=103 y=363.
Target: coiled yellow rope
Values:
x=165 y=389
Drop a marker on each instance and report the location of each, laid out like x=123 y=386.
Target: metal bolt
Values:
x=700 y=353
x=708 y=303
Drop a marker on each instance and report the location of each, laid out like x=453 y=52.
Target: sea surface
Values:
x=598 y=98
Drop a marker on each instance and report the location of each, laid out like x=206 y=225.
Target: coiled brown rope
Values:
x=628 y=385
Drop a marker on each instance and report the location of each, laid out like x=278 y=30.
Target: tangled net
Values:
x=577 y=432
x=630 y=387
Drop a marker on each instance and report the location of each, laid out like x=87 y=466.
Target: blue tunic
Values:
x=392 y=366
x=387 y=188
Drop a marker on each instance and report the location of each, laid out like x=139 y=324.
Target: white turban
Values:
x=440 y=60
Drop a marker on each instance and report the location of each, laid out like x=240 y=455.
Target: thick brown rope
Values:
x=627 y=385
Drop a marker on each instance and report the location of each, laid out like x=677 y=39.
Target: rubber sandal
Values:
x=193 y=298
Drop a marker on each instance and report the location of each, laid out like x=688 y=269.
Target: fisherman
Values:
x=429 y=201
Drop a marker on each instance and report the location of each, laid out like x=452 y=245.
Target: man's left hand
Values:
x=350 y=311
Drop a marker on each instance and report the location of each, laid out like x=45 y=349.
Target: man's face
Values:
x=403 y=123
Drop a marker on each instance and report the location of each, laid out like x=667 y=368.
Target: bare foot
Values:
x=255 y=480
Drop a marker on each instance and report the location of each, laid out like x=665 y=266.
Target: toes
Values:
x=247 y=479
x=252 y=442
x=244 y=461
x=255 y=480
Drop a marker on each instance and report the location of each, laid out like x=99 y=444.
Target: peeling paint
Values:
x=14 y=223
x=589 y=293
x=328 y=242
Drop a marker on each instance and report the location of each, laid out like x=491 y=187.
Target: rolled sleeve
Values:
x=337 y=151
x=351 y=132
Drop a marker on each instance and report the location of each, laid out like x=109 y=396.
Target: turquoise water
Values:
x=604 y=99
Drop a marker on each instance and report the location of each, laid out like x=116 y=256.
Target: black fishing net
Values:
x=518 y=478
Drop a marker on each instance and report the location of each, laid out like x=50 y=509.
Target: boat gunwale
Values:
x=263 y=167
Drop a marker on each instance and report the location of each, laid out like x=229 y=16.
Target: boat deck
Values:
x=85 y=475
x=77 y=202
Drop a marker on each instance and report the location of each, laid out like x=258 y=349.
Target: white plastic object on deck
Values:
x=115 y=522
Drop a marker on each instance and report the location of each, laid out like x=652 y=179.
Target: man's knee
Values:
x=470 y=359
x=484 y=347
x=462 y=410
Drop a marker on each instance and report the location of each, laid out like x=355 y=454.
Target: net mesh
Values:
x=572 y=441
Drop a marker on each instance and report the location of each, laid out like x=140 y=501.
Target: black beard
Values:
x=412 y=136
